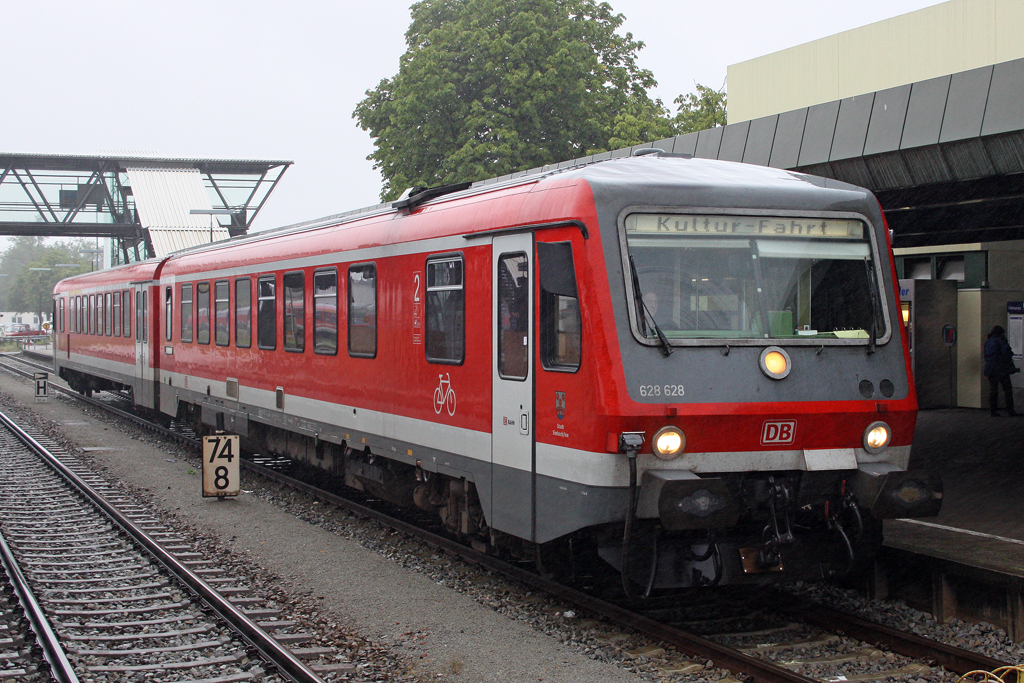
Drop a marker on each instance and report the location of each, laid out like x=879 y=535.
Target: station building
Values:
x=925 y=109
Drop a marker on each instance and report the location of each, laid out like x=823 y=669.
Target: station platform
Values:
x=968 y=561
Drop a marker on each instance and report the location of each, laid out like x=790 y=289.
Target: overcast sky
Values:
x=272 y=80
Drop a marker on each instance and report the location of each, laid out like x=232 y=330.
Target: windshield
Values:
x=753 y=277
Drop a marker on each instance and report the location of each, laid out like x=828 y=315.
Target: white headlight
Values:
x=876 y=437
x=668 y=443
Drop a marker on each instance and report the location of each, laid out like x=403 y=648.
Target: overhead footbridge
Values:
x=148 y=206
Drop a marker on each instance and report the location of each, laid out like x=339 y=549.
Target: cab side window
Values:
x=560 y=323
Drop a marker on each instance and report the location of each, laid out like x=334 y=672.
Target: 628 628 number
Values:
x=662 y=390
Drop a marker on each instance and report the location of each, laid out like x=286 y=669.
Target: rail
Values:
x=276 y=653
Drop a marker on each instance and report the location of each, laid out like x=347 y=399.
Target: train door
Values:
x=143 y=373
x=512 y=443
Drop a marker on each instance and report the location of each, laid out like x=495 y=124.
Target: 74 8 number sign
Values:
x=220 y=465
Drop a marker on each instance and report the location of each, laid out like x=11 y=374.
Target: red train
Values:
x=694 y=367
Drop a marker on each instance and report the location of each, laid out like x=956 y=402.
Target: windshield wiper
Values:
x=872 y=286
x=666 y=348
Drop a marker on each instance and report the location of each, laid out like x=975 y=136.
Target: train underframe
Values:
x=752 y=527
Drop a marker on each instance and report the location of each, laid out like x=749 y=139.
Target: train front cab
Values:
x=772 y=381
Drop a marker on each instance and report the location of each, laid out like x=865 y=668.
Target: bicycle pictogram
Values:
x=444 y=395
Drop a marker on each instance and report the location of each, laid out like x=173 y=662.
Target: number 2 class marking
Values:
x=222 y=450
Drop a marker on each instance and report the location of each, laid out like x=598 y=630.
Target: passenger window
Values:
x=243 y=312
x=140 y=317
x=445 y=311
x=106 y=314
x=61 y=307
x=362 y=310
x=92 y=314
x=513 y=316
x=293 y=317
x=168 y=309
x=203 y=313
x=560 y=324
x=115 y=313
x=186 y=313
x=143 y=325
x=99 y=315
x=266 y=312
x=222 y=312
x=126 y=313
x=325 y=312
x=78 y=315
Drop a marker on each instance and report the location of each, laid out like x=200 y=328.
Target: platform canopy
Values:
x=944 y=156
x=143 y=204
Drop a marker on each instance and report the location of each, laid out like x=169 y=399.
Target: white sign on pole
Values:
x=220 y=465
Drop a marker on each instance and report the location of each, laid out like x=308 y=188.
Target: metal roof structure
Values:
x=944 y=156
x=120 y=197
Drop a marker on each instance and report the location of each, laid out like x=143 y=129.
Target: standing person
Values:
x=998 y=368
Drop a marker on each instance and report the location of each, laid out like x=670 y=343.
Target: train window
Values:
x=186 y=313
x=513 y=316
x=716 y=277
x=168 y=311
x=243 y=313
x=294 y=314
x=106 y=314
x=560 y=324
x=60 y=320
x=362 y=310
x=445 y=311
x=126 y=313
x=140 y=316
x=222 y=313
x=142 y=324
x=115 y=313
x=325 y=311
x=92 y=314
x=99 y=314
x=203 y=313
x=76 y=318
x=266 y=312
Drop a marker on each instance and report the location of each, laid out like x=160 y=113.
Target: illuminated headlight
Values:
x=876 y=437
x=775 y=362
x=669 y=443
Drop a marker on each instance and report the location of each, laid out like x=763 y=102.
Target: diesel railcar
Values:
x=695 y=368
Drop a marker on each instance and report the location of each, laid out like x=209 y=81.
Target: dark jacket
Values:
x=998 y=357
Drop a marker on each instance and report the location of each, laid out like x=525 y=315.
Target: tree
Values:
x=701 y=110
x=488 y=87
x=25 y=289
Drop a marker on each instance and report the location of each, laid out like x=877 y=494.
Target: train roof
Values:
x=652 y=176
x=141 y=271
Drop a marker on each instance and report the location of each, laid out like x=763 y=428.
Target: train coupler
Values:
x=776 y=535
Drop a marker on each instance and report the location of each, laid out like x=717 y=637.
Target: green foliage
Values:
x=24 y=289
x=489 y=87
x=700 y=111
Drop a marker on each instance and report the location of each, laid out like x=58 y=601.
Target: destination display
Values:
x=753 y=226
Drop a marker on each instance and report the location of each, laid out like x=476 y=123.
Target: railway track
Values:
x=125 y=596
x=768 y=638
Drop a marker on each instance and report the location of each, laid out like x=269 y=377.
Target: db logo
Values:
x=778 y=432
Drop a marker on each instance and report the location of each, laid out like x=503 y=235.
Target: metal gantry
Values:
x=49 y=195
